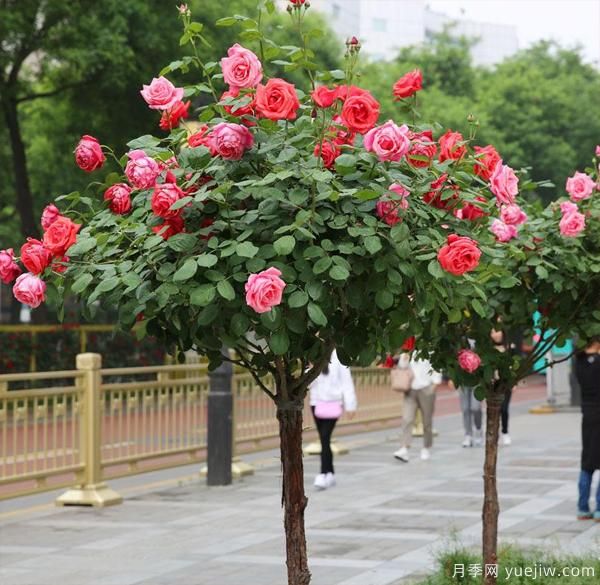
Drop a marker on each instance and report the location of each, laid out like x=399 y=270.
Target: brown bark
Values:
x=491 y=507
x=294 y=500
x=24 y=202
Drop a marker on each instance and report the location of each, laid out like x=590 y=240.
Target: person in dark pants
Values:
x=587 y=370
x=331 y=394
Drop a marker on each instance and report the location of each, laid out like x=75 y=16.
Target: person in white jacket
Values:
x=421 y=396
x=331 y=394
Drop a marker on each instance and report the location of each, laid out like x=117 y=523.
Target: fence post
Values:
x=92 y=491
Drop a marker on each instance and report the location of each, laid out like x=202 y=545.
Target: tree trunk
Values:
x=491 y=507
x=294 y=500
x=24 y=202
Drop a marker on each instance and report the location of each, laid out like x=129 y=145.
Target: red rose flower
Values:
x=277 y=100
x=174 y=225
x=328 y=151
x=459 y=255
x=170 y=118
x=487 y=159
x=451 y=146
x=239 y=111
x=88 y=154
x=35 y=256
x=470 y=211
x=200 y=138
x=61 y=235
x=421 y=145
x=360 y=110
x=324 y=97
x=438 y=188
x=408 y=84
x=118 y=196
x=409 y=344
x=163 y=197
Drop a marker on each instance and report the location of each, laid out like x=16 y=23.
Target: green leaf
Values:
x=541 y=271
x=208 y=314
x=226 y=290
x=339 y=273
x=455 y=316
x=479 y=308
x=279 y=342
x=246 y=250
x=108 y=284
x=384 y=299
x=182 y=242
x=316 y=314
x=240 y=324
x=435 y=269
x=82 y=246
x=322 y=265
x=186 y=271
x=227 y=21
x=206 y=260
x=81 y=283
x=284 y=245
x=373 y=244
x=298 y=299
x=202 y=295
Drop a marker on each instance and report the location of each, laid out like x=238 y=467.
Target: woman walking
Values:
x=422 y=397
x=472 y=417
x=587 y=370
x=331 y=394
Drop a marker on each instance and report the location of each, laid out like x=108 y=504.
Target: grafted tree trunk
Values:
x=491 y=507
x=294 y=500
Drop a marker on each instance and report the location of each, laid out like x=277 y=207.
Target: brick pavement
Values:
x=382 y=525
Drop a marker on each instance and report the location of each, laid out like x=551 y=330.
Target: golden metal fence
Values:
x=108 y=423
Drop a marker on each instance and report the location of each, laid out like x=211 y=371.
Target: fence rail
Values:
x=108 y=423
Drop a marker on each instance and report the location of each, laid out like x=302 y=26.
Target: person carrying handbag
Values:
x=418 y=383
x=331 y=394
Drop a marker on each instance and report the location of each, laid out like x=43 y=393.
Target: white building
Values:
x=384 y=26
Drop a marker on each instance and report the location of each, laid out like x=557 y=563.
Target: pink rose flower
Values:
x=49 y=215
x=580 y=186
x=88 y=154
x=567 y=207
x=163 y=197
x=241 y=68
x=503 y=231
x=119 y=198
x=388 y=142
x=401 y=190
x=468 y=360
x=572 y=224
x=504 y=184
x=161 y=94
x=598 y=150
x=35 y=256
x=141 y=170
x=230 y=140
x=9 y=269
x=30 y=290
x=264 y=290
x=513 y=215
x=387 y=208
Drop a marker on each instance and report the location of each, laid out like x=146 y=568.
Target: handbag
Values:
x=328 y=409
x=402 y=379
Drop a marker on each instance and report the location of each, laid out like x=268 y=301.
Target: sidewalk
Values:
x=381 y=525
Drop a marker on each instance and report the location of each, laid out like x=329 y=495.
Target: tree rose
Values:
x=504 y=184
x=360 y=110
x=323 y=96
x=487 y=159
x=512 y=215
x=88 y=154
x=421 y=145
x=277 y=100
x=61 y=235
x=30 y=290
x=451 y=146
x=468 y=360
x=409 y=84
x=170 y=118
x=141 y=170
x=229 y=141
x=388 y=142
x=35 y=256
x=119 y=198
x=264 y=290
x=459 y=255
x=503 y=232
x=328 y=151
x=50 y=214
x=9 y=269
x=580 y=186
x=163 y=197
x=161 y=94
x=241 y=68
